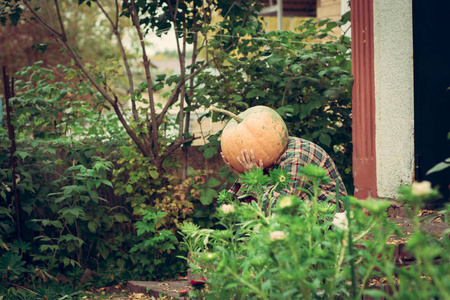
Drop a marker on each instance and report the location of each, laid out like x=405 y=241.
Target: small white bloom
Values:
x=421 y=188
x=227 y=208
x=340 y=221
x=277 y=235
x=8 y=189
x=285 y=202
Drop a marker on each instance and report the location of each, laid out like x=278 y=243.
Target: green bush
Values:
x=89 y=199
x=305 y=75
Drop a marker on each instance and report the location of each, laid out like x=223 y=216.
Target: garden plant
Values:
x=308 y=250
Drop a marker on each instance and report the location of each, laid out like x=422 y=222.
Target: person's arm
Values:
x=248 y=161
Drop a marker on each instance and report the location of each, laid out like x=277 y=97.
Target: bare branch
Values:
x=182 y=61
x=52 y=31
x=146 y=62
x=61 y=24
x=91 y=79
x=115 y=29
x=117 y=11
x=172 y=99
x=174 y=146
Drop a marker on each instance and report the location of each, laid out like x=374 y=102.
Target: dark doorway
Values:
x=432 y=91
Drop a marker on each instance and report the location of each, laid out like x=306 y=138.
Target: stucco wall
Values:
x=329 y=9
x=393 y=62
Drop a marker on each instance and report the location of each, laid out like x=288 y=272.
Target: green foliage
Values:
x=304 y=250
x=11 y=265
x=305 y=75
x=161 y=202
x=62 y=170
x=65 y=169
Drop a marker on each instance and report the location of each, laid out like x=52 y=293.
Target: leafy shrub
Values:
x=63 y=172
x=305 y=75
x=65 y=164
x=160 y=203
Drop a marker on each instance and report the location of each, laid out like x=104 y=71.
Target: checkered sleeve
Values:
x=301 y=153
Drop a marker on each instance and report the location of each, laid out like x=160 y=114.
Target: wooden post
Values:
x=363 y=102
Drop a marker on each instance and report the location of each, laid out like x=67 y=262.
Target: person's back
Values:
x=298 y=153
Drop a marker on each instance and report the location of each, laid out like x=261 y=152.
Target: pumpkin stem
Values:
x=228 y=113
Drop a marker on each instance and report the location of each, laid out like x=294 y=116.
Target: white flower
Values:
x=8 y=189
x=285 y=202
x=277 y=235
x=340 y=221
x=227 y=208
x=421 y=188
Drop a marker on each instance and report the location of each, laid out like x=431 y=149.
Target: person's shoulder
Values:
x=294 y=145
x=299 y=145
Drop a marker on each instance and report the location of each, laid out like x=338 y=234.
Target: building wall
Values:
x=329 y=9
x=394 y=100
x=345 y=7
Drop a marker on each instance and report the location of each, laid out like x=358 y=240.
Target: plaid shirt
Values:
x=300 y=152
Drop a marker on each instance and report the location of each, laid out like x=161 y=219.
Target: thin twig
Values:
x=115 y=30
x=19 y=286
x=58 y=13
x=153 y=142
x=96 y=121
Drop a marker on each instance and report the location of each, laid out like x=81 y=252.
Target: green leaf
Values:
x=22 y=154
x=325 y=139
x=285 y=111
x=70 y=238
x=377 y=294
x=341 y=47
x=129 y=189
x=209 y=152
x=251 y=94
x=440 y=166
x=106 y=182
x=213 y=182
x=331 y=25
x=92 y=226
x=103 y=250
x=121 y=218
x=207 y=196
x=51 y=149
x=125 y=151
x=14 y=18
x=43 y=248
x=323 y=22
x=154 y=174
x=75 y=211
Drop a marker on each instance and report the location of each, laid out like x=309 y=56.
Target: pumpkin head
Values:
x=260 y=129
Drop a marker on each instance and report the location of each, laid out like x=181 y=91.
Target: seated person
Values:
x=298 y=153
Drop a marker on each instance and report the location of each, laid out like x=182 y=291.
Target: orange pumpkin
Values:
x=260 y=129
